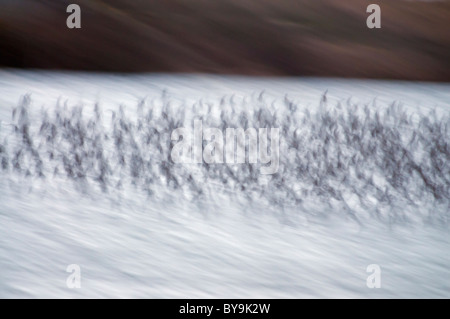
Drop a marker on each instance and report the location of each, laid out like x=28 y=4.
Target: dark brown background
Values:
x=260 y=37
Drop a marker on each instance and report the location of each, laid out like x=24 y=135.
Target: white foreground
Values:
x=169 y=246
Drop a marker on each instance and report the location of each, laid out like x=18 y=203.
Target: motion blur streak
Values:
x=283 y=37
x=86 y=178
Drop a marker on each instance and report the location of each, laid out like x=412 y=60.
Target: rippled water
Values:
x=87 y=179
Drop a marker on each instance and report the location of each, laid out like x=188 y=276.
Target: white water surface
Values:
x=131 y=245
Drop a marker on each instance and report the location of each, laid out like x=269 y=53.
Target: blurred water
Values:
x=132 y=244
